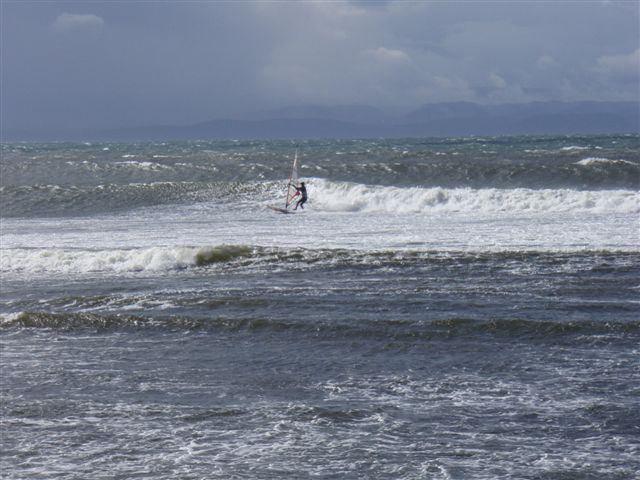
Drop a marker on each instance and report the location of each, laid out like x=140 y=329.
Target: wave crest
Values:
x=159 y=259
x=151 y=259
x=350 y=197
x=600 y=161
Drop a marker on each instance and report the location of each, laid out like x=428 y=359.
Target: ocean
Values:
x=453 y=308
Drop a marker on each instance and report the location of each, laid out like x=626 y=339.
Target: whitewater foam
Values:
x=228 y=257
x=574 y=148
x=600 y=160
x=142 y=165
x=352 y=197
x=152 y=259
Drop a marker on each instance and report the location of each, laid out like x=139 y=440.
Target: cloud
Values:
x=71 y=22
x=623 y=66
x=496 y=80
x=387 y=55
x=547 y=61
x=181 y=62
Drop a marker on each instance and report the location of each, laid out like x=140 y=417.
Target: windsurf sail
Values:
x=292 y=193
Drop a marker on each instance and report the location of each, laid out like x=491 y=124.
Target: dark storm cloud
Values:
x=131 y=63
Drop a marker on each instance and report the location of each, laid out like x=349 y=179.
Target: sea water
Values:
x=441 y=308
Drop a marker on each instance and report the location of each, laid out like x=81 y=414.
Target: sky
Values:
x=93 y=64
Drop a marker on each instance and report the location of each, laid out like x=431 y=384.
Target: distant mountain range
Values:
x=358 y=121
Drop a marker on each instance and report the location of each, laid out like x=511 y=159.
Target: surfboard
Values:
x=280 y=210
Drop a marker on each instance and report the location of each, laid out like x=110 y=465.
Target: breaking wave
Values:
x=599 y=161
x=57 y=200
x=352 y=197
x=28 y=261
x=574 y=148
x=153 y=259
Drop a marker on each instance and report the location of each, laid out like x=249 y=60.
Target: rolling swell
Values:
x=261 y=258
x=44 y=180
x=61 y=200
x=449 y=170
x=509 y=162
x=452 y=328
x=326 y=195
x=454 y=171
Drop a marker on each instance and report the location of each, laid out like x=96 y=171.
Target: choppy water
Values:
x=451 y=308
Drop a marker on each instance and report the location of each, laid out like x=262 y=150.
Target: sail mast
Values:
x=293 y=178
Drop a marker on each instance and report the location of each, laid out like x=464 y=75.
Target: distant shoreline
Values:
x=457 y=119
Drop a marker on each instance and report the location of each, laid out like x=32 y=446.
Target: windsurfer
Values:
x=302 y=191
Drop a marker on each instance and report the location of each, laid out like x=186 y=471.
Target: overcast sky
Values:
x=128 y=63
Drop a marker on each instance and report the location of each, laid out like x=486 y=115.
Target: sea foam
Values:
x=152 y=259
x=603 y=161
x=352 y=197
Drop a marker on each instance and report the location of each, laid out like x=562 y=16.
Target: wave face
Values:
x=52 y=201
x=84 y=179
x=446 y=329
x=340 y=293
x=73 y=200
x=253 y=258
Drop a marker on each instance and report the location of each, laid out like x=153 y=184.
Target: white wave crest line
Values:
x=142 y=165
x=165 y=259
x=152 y=259
x=574 y=148
x=351 y=197
x=601 y=160
x=116 y=261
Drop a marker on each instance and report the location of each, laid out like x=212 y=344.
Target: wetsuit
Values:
x=302 y=190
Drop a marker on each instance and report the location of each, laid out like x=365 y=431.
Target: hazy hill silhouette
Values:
x=360 y=121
